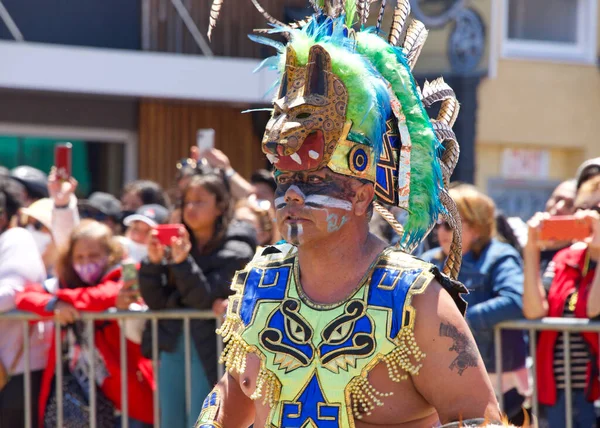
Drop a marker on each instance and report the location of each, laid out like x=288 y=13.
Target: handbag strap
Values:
x=19 y=353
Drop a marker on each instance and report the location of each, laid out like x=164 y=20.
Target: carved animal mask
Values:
x=309 y=115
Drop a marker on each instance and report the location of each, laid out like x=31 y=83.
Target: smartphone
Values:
x=565 y=228
x=62 y=160
x=205 y=139
x=167 y=231
x=130 y=276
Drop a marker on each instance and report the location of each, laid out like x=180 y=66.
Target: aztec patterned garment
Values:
x=315 y=358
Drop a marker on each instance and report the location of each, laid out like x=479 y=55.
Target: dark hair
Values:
x=10 y=197
x=264 y=176
x=148 y=191
x=215 y=184
x=505 y=233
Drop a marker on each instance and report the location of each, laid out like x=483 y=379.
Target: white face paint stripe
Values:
x=296 y=189
x=280 y=202
x=300 y=231
x=328 y=202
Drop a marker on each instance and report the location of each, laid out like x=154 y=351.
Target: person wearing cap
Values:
x=34 y=181
x=139 y=229
x=587 y=170
x=104 y=208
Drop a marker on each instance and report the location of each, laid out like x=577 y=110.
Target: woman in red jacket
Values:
x=88 y=280
x=574 y=293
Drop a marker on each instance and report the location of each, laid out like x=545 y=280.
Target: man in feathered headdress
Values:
x=334 y=328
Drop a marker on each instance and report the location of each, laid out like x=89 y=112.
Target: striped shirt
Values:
x=579 y=349
x=579 y=356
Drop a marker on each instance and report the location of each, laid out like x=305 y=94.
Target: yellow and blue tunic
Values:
x=315 y=358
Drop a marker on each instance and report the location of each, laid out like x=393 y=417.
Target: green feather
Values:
x=426 y=180
x=350 y=13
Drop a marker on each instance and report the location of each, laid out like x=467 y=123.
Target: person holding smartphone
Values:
x=574 y=292
x=193 y=270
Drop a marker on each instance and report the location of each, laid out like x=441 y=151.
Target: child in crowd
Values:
x=89 y=279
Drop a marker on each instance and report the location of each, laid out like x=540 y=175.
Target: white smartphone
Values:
x=205 y=139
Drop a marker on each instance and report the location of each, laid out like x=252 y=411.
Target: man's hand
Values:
x=180 y=246
x=156 y=250
x=593 y=241
x=534 y=243
x=60 y=190
x=216 y=158
x=65 y=313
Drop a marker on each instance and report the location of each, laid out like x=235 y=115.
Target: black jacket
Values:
x=195 y=283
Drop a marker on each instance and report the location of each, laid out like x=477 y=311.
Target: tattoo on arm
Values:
x=466 y=349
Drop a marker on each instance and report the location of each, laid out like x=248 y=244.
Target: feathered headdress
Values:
x=348 y=101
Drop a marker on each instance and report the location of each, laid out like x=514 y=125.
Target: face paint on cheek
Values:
x=335 y=223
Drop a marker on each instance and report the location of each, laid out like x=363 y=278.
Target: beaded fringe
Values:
x=365 y=397
x=399 y=361
x=234 y=357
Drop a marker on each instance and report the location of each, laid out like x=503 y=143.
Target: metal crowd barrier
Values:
x=564 y=325
x=121 y=317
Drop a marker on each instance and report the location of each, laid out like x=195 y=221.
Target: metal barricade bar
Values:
x=188 y=368
x=123 y=368
x=27 y=374
x=59 y=374
x=92 y=374
x=564 y=325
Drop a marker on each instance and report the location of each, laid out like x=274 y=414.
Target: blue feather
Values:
x=268 y=42
x=270 y=63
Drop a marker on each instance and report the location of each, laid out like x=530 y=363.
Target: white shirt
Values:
x=20 y=264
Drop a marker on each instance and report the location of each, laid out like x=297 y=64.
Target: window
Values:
x=563 y=30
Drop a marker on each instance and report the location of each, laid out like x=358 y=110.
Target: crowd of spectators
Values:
x=61 y=256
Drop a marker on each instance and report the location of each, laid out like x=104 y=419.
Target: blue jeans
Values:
x=171 y=376
x=584 y=415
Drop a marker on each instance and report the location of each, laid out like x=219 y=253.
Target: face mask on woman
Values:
x=90 y=273
x=42 y=239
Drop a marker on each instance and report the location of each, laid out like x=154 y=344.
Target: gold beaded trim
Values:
x=267 y=386
x=234 y=357
x=399 y=361
x=364 y=396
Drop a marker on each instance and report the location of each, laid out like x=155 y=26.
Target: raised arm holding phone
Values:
x=574 y=293
x=190 y=265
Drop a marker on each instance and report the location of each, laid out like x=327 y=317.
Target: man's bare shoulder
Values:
x=453 y=377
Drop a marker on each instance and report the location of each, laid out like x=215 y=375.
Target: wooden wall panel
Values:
x=238 y=19
x=168 y=129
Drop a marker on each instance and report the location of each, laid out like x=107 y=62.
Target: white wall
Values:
x=56 y=68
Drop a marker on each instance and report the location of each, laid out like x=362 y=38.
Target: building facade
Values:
x=538 y=108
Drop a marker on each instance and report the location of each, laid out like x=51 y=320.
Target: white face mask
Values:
x=42 y=239
x=136 y=251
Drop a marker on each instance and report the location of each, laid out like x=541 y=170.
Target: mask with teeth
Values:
x=309 y=115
